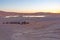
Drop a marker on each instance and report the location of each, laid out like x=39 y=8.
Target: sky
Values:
x=29 y=6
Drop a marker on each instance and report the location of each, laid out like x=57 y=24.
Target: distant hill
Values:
x=3 y=13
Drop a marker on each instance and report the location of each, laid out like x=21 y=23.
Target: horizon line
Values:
x=30 y=12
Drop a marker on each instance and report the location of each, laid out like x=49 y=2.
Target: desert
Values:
x=38 y=28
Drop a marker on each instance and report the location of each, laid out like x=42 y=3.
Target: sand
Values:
x=36 y=30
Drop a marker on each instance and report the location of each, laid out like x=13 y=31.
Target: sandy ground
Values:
x=35 y=30
x=32 y=31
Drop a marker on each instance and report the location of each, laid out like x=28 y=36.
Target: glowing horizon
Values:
x=33 y=11
x=30 y=6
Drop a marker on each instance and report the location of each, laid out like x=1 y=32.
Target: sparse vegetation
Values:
x=24 y=22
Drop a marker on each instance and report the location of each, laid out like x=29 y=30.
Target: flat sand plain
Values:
x=45 y=29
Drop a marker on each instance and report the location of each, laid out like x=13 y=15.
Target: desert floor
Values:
x=48 y=29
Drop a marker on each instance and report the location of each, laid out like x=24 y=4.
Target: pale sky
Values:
x=30 y=5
